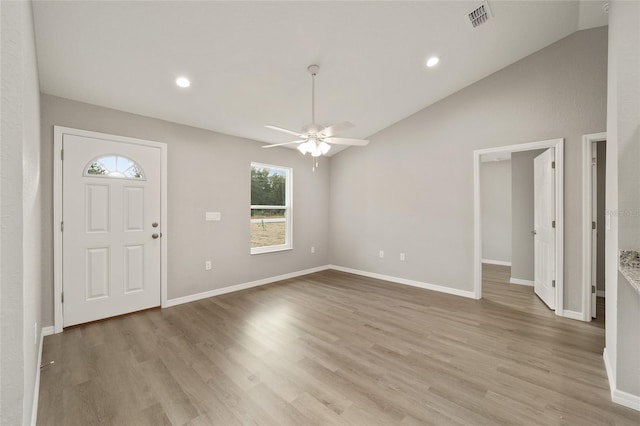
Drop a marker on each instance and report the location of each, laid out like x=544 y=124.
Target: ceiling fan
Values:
x=315 y=139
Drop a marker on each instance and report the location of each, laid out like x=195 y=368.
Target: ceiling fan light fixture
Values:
x=314 y=139
x=303 y=148
x=324 y=147
x=314 y=147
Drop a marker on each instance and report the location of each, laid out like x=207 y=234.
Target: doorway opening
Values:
x=593 y=225
x=549 y=175
x=507 y=192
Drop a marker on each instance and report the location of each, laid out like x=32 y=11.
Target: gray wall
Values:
x=495 y=190
x=19 y=215
x=207 y=171
x=628 y=374
x=522 y=242
x=600 y=208
x=628 y=117
x=411 y=189
x=623 y=192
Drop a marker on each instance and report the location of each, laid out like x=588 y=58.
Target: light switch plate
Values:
x=212 y=216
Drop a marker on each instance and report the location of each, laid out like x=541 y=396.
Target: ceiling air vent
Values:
x=479 y=15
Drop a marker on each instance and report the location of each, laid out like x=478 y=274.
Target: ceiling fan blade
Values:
x=280 y=129
x=280 y=144
x=347 y=141
x=336 y=128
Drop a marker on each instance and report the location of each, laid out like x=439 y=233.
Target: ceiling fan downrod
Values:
x=313 y=70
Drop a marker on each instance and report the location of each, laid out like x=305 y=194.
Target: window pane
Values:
x=114 y=166
x=109 y=162
x=133 y=172
x=268 y=227
x=123 y=164
x=268 y=186
x=267 y=233
x=97 y=169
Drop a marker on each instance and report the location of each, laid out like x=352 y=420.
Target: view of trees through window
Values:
x=268 y=188
x=269 y=207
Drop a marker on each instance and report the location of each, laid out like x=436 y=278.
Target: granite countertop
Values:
x=629 y=267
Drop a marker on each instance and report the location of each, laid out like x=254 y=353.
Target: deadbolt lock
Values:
x=154 y=224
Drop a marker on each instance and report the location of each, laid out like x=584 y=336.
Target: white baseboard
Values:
x=36 y=385
x=521 y=282
x=600 y=293
x=434 y=287
x=573 y=315
x=618 y=396
x=496 y=262
x=610 y=375
x=48 y=331
x=243 y=286
x=626 y=399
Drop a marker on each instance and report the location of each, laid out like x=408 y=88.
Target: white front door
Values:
x=111 y=228
x=544 y=226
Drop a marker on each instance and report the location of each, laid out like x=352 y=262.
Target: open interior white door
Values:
x=544 y=225
x=594 y=232
x=111 y=205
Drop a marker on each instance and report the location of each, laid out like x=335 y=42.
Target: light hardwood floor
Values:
x=333 y=348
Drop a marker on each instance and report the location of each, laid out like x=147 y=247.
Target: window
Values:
x=270 y=208
x=114 y=166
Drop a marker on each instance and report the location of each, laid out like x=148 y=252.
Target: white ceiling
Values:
x=247 y=60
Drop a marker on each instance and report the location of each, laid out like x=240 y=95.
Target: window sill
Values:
x=270 y=249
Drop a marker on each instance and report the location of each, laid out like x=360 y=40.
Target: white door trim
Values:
x=587 y=141
x=57 y=212
x=558 y=144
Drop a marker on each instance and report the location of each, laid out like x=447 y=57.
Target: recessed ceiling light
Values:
x=433 y=61
x=183 y=82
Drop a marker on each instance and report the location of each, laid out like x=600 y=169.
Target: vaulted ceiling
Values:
x=247 y=60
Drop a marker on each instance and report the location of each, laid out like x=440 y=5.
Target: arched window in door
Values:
x=114 y=166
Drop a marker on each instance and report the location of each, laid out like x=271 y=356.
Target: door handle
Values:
x=155 y=236
x=533 y=233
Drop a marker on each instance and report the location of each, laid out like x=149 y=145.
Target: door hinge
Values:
x=553 y=223
x=594 y=161
x=593 y=289
x=553 y=283
x=553 y=164
x=62 y=226
x=593 y=225
x=62 y=297
x=62 y=154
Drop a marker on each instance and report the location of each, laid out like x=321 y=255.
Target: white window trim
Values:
x=288 y=210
